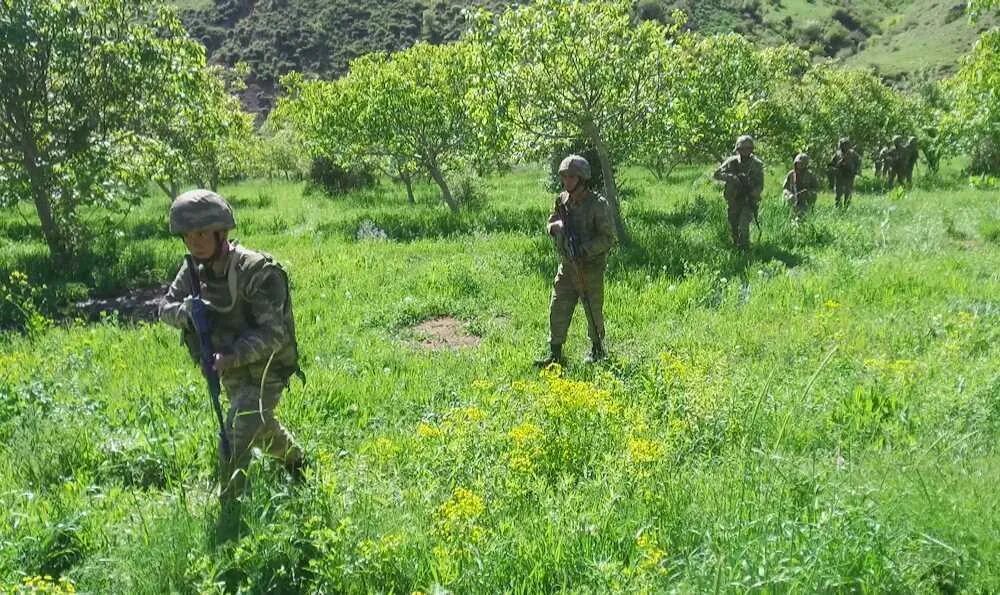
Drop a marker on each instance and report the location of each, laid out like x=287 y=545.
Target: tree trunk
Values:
x=438 y=177
x=610 y=186
x=408 y=182
x=172 y=190
x=40 y=194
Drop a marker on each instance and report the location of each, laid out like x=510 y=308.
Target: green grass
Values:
x=822 y=417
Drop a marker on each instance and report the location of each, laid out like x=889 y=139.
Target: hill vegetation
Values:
x=321 y=37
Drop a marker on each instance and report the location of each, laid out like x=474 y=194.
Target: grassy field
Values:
x=821 y=417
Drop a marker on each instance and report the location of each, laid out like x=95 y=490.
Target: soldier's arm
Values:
x=170 y=308
x=787 y=188
x=554 y=216
x=722 y=173
x=604 y=231
x=267 y=298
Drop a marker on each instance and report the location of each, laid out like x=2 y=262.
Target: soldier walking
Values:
x=252 y=333
x=583 y=229
x=844 y=166
x=743 y=175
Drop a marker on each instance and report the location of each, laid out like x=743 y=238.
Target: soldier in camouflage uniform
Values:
x=743 y=175
x=253 y=333
x=895 y=162
x=844 y=166
x=582 y=226
x=800 y=187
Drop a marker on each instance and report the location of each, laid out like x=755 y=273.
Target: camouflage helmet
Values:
x=803 y=159
x=744 y=142
x=844 y=142
x=200 y=210
x=575 y=165
x=897 y=140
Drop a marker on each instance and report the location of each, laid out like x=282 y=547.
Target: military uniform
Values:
x=250 y=313
x=582 y=278
x=801 y=187
x=845 y=165
x=744 y=183
x=910 y=154
x=895 y=162
x=583 y=228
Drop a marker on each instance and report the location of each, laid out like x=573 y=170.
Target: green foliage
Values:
x=208 y=140
x=86 y=85
x=974 y=121
x=399 y=112
x=557 y=70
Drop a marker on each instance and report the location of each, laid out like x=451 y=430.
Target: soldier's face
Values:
x=200 y=243
x=569 y=182
x=745 y=152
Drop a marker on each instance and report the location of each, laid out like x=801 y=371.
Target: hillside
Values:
x=322 y=36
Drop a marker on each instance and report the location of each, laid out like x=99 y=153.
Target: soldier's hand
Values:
x=223 y=361
x=556 y=228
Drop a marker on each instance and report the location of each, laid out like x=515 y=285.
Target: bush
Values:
x=334 y=179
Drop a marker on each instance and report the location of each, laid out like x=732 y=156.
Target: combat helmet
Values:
x=200 y=210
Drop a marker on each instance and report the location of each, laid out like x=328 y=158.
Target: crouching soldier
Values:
x=252 y=332
x=800 y=188
x=583 y=229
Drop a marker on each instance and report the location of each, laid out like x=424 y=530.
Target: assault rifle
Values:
x=199 y=316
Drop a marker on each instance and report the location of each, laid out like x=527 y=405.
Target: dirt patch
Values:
x=135 y=305
x=444 y=332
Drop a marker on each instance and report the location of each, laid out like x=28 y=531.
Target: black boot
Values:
x=597 y=353
x=296 y=471
x=555 y=357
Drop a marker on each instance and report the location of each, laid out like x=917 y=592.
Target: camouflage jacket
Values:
x=590 y=219
x=806 y=186
x=845 y=164
x=250 y=312
x=744 y=180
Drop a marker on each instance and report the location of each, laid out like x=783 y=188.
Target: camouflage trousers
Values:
x=843 y=188
x=741 y=214
x=577 y=283
x=251 y=423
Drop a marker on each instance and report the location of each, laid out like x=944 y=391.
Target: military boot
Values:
x=597 y=353
x=554 y=357
x=296 y=470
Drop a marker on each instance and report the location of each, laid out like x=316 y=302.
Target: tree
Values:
x=831 y=102
x=85 y=83
x=398 y=112
x=720 y=88
x=209 y=138
x=563 y=69
x=974 y=121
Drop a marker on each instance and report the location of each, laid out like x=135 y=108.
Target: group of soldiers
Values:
x=247 y=298
x=743 y=177
x=894 y=162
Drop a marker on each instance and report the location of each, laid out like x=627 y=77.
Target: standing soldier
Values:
x=582 y=226
x=743 y=175
x=895 y=162
x=844 y=166
x=252 y=333
x=801 y=186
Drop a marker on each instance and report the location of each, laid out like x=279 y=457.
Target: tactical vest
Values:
x=230 y=314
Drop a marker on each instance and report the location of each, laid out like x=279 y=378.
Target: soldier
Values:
x=253 y=334
x=583 y=229
x=844 y=166
x=895 y=162
x=743 y=175
x=801 y=186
